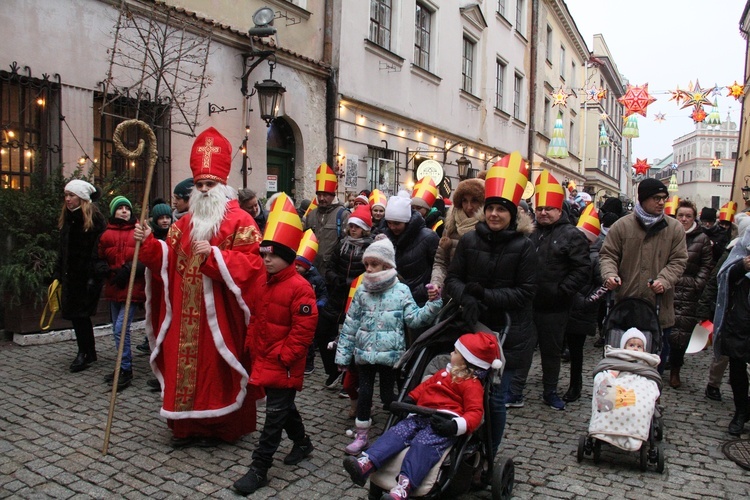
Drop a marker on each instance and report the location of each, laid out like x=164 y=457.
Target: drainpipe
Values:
x=532 y=80
x=331 y=86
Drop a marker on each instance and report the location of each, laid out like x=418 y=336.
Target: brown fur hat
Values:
x=472 y=187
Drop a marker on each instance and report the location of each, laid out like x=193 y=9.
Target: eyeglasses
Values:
x=546 y=209
x=660 y=199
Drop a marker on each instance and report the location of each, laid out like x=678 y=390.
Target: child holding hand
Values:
x=373 y=333
x=457 y=392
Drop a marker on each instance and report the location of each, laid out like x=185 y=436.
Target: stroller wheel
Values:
x=503 y=477
x=581 y=448
x=597 y=451
x=644 y=456
x=659 y=458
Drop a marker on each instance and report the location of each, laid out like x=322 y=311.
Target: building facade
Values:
x=741 y=180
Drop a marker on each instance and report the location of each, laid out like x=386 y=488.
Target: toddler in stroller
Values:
x=457 y=393
x=627 y=385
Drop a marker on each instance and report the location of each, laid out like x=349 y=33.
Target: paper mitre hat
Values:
x=313 y=204
x=352 y=290
x=325 y=179
x=727 y=211
x=506 y=179
x=308 y=249
x=425 y=193
x=670 y=207
x=378 y=198
x=283 y=225
x=548 y=191
x=588 y=222
x=211 y=157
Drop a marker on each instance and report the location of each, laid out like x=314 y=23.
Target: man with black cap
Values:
x=181 y=198
x=645 y=253
x=718 y=235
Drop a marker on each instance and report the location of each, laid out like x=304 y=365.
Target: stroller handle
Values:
x=399 y=406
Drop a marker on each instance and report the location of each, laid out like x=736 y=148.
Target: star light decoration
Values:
x=560 y=97
x=636 y=100
x=715 y=163
x=595 y=94
x=698 y=114
x=696 y=97
x=641 y=166
x=736 y=90
x=677 y=95
x=660 y=117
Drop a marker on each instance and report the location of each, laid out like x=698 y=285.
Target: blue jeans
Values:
x=117 y=313
x=498 y=412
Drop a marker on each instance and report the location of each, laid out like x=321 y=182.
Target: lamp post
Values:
x=464 y=165
x=270 y=94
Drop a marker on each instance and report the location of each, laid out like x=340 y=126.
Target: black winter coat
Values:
x=719 y=237
x=687 y=292
x=584 y=315
x=343 y=268
x=564 y=264
x=77 y=265
x=415 y=254
x=505 y=264
x=707 y=303
x=735 y=335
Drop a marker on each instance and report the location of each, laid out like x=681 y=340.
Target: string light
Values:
x=419 y=134
x=361 y=119
x=40 y=101
x=81 y=160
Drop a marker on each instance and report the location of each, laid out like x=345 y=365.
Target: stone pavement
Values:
x=52 y=426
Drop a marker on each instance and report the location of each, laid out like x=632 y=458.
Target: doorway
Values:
x=280 y=149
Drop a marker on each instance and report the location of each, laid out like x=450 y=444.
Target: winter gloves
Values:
x=443 y=425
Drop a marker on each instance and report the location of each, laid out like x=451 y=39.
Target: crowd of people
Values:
x=241 y=298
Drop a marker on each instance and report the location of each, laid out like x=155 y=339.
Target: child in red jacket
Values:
x=282 y=326
x=116 y=247
x=457 y=392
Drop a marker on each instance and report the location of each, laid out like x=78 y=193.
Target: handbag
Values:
x=52 y=305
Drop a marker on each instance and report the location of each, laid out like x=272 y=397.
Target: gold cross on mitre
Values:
x=208 y=150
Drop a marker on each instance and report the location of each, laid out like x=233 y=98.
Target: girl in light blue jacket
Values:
x=373 y=332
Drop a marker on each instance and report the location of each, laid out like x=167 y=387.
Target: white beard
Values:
x=208 y=211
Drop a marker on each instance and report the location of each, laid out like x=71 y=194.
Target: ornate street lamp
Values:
x=270 y=95
x=463 y=167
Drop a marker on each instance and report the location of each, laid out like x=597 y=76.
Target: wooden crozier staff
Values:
x=130 y=155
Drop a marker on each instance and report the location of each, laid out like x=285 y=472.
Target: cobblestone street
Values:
x=52 y=428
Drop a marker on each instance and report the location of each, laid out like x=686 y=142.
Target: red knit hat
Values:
x=211 y=157
x=362 y=217
x=480 y=349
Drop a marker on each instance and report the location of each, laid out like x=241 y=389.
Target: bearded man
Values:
x=203 y=273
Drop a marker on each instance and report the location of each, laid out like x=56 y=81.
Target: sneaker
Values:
x=332 y=381
x=553 y=401
x=514 y=401
x=309 y=369
x=144 y=346
x=400 y=491
x=252 y=481
x=358 y=469
x=343 y=394
x=713 y=393
x=299 y=452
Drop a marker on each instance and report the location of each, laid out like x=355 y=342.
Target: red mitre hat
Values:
x=325 y=179
x=670 y=207
x=507 y=179
x=308 y=249
x=589 y=222
x=425 y=192
x=283 y=225
x=727 y=211
x=211 y=157
x=352 y=290
x=549 y=192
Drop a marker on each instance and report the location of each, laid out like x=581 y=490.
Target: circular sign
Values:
x=528 y=192
x=431 y=168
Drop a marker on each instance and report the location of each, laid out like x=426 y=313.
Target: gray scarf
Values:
x=646 y=218
x=380 y=281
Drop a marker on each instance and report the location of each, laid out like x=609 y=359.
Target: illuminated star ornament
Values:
x=595 y=94
x=715 y=163
x=716 y=90
x=698 y=114
x=641 y=166
x=677 y=95
x=660 y=117
x=696 y=96
x=560 y=97
x=736 y=90
x=636 y=100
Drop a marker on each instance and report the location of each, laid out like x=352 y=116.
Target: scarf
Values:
x=458 y=223
x=739 y=252
x=354 y=246
x=692 y=228
x=380 y=281
x=646 y=218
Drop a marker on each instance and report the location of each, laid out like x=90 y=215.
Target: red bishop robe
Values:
x=197 y=318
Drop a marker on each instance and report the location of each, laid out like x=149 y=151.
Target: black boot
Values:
x=81 y=362
x=573 y=393
x=125 y=379
x=737 y=425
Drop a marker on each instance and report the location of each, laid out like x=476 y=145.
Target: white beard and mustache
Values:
x=208 y=210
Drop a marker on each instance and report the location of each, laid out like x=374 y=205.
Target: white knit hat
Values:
x=383 y=251
x=399 y=208
x=633 y=333
x=80 y=188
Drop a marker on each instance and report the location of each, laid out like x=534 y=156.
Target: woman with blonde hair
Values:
x=81 y=224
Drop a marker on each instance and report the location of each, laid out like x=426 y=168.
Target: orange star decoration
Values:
x=698 y=114
x=677 y=95
x=560 y=97
x=696 y=97
x=641 y=166
x=736 y=90
x=636 y=100
x=715 y=163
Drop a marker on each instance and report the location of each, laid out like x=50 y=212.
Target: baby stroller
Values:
x=618 y=424
x=470 y=456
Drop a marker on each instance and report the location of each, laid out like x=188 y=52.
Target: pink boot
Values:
x=400 y=491
x=360 y=440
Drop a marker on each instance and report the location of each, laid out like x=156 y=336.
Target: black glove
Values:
x=470 y=310
x=122 y=276
x=475 y=290
x=443 y=426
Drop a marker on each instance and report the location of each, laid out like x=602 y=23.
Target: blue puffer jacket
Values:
x=373 y=331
